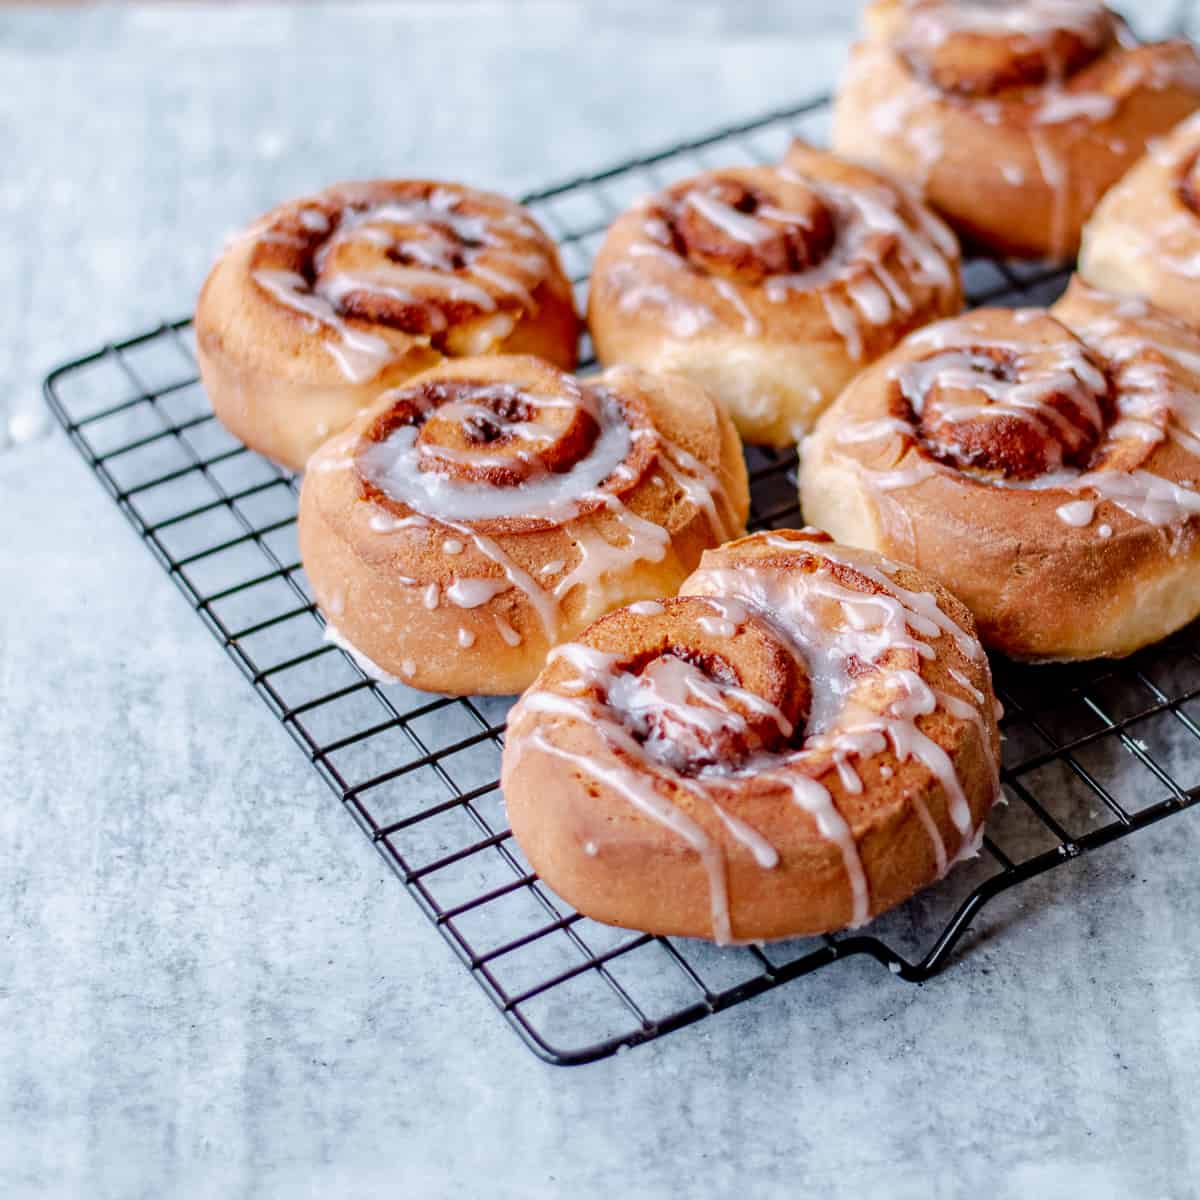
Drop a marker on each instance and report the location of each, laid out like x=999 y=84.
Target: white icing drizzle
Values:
x=1076 y=512
x=683 y=316
x=471 y=593
x=871 y=431
x=371 y=669
x=1152 y=403
x=873 y=295
x=964 y=682
x=717 y=626
x=629 y=783
x=445 y=255
x=648 y=719
x=764 y=853
x=394 y=466
x=466 y=639
x=646 y=608
x=845 y=323
x=391 y=466
x=1059 y=106
x=739 y=226
x=931 y=27
x=930 y=826
x=1058 y=179
x=751 y=325
x=506 y=631
x=360 y=355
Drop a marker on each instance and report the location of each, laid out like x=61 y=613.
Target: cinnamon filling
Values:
x=419 y=258
x=1016 y=413
x=703 y=683
x=517 y=455
x=491 y=433
x=740 y=232
x=981 y=48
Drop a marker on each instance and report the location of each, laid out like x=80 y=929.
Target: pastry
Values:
x=799 y=741
x=1043 y=465
x=326 y=301
x=1013 y=119
x=1144 y=238
x=771 y=286
x=492 y=507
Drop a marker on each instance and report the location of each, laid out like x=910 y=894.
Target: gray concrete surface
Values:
x=209 y=984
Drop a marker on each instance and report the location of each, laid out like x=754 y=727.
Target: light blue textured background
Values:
x=209 y=985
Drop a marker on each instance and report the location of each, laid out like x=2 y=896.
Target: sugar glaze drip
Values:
x=443 y=504
x=867 y=628
x=427 y=254
x=853 y=280
x=1153 y=403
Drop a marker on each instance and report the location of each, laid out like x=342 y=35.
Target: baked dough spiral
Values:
x=1144 y=238
x=325 y=301
x=1013 y=119
x=799 y=741
x=771 y=286
x=492 y=507
x=1043 y=465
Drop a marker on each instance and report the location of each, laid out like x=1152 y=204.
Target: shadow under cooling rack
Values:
x=1091 y=753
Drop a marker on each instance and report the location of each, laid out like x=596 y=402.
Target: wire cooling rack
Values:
x=1091 y=753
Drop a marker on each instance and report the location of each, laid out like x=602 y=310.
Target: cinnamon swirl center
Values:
x=1018 y=409
x=731 y=228
x=417 y=257
x=535 y=453
x=982 y=47
x=704 y=682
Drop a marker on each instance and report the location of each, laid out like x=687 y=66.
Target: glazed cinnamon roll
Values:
x=325 y=301
x=1013 y=119
x=771 y=286
x=1144 y=239
x=799 y=741
x=1043 y=465
x=492 y=507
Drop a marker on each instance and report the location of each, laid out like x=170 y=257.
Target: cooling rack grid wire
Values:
x=1091 y=753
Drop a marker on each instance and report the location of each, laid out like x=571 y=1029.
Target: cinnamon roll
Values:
x=1144 y=238
x=492 y=507
x=1043 y=465
x=799 y=741
x=771 y=286
x=325 y=301
x=1013 y=119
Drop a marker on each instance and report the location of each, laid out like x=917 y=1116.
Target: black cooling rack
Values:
x=1090 y=754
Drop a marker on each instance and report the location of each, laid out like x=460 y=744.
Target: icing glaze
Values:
x=1156 y=399
x=660 y=722
x=427 y=480
x=431 y=255
x=858 y=280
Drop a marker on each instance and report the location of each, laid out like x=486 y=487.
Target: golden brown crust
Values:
x=771 y=286
x=464 y=589
x=1144 y=238
x=1097 y=560
x=770 y=853
x=1013 y=134
x=326 y=300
